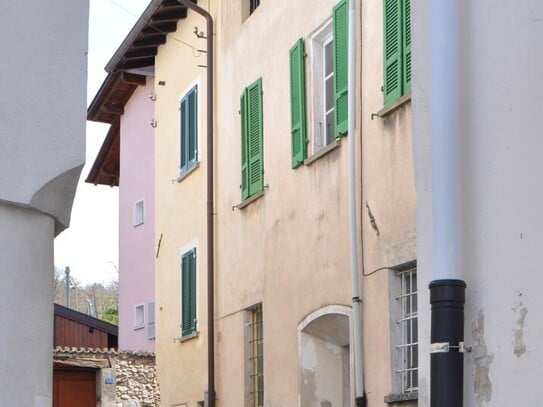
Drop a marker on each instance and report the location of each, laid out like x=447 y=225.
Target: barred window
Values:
x=256 y=357
x=407 y=344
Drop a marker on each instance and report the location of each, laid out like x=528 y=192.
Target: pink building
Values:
x=126 y=159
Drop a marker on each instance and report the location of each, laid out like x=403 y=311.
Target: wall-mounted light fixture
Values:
x=152 y=96
x=153 y=123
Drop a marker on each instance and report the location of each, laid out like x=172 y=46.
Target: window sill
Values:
x=188 y=172
x=322 y=152
x=249 y=200
x=187 y=337
x=402 y=397
x=387 y=110
x=139 y=327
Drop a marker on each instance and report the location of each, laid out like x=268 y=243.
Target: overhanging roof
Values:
x=107 y=107
x=126 y=69
x=85 y=319
x=137 y=52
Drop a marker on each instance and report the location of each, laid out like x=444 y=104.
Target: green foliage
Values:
x=110 y=315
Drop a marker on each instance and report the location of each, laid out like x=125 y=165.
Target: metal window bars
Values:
x=408 y=324
x=256 y=360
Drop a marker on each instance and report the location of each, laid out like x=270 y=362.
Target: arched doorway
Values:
x=324 y=339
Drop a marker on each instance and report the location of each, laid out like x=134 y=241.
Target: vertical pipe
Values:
x=444 y=105
x=67 y=283
x=447 y=290
x=353 y=224
x=210 y=204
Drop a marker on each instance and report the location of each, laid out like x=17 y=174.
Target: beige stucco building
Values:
x=283 y=316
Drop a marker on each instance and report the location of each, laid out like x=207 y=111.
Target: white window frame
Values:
x=318 y=40
x=139 y=212
x=139 y=316
x=404 y=329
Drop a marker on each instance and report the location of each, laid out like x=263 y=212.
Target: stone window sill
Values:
x=402 y=397
x=387 y=110
x=322 y=152
x=188 y=172
x=249 y=200
x=187 y=337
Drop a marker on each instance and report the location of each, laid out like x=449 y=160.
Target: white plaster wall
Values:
x=501 y=60
x=42 y=135
x=26 y=301
x=43 y=103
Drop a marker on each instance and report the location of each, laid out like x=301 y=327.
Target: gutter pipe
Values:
x=210 y=204
x=360 y=397
x=447 y=290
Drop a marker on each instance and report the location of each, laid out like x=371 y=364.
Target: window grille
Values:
x=408 y=323
x=256 y=358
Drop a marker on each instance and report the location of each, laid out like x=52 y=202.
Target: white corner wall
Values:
x=43 y=108
x=501 y=63
x=42 y=136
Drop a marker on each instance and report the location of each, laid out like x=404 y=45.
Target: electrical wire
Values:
x=195 y=51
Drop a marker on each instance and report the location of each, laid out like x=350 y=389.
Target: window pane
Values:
x=328 y=59
x=329 y=92
x=329 y=127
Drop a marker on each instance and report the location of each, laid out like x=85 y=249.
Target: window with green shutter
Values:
x=396 y=49
x=188 y=129
x=252 y=158
x=188 y=292
x=297 y=103
x=316 y=125
x=341 y=49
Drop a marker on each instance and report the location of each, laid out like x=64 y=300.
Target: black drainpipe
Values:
x=447 y=298
x=210 y=228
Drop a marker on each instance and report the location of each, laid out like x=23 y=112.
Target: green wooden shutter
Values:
x=188 y=293
x=254 y=136
x=192 y=129
x=185 y=297
x=297 y=103
x=406 y=58
x=244 y=139
x=392 y=71
x=182 y=135
x=192 y=291
x=341 y=50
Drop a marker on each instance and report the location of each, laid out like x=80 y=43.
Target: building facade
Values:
x=283 y=316
x=496 y=202
x=126 y=159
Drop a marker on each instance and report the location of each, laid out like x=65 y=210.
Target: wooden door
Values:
x=74 y=388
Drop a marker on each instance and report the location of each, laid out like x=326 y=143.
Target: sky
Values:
x=90 y=245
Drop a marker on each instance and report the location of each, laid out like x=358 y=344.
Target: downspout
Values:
x=360 y=398
x=210 y=204
x=447 y=290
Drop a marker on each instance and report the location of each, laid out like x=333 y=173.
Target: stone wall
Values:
x=123 y=379
x=137 y=384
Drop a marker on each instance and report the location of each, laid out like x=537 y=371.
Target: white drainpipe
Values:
x=447 y=290
x=444 y=88
x=353 y=224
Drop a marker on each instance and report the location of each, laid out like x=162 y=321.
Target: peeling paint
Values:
x=482 y=385
x=519 y=347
